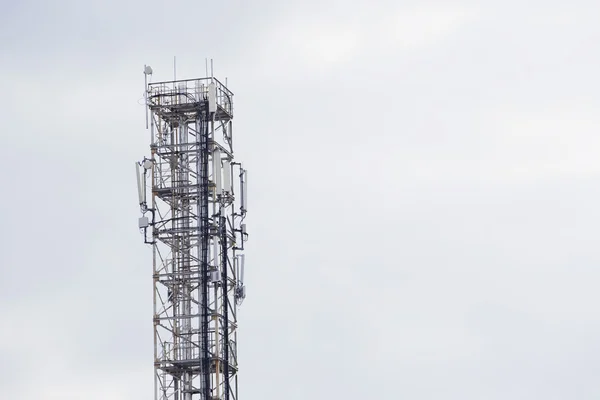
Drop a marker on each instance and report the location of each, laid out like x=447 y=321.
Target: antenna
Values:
x=240 y=290
x=244 y=190
x=226 y=176
x=216 y=254
x=174 y=68
x=141 y=191
x=212 y=97
x=147 y=71
x=241 y=262
x=217 y=170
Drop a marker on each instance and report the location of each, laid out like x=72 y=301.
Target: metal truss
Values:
x=194 y=222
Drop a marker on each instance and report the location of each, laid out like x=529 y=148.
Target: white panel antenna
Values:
x=241 y=261
x=217 y=170
x=141 y=191
x=244 y=190
x=226 y=176
x=212 y=97
x=216 y=253
x=182 y=92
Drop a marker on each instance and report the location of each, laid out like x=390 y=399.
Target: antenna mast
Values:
x=194 y=221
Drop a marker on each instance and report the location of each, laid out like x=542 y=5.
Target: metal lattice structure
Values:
x=194 y=221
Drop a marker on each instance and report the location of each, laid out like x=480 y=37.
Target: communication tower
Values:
x=194 y=221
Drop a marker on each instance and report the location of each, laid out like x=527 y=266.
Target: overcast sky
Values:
x=424 y=195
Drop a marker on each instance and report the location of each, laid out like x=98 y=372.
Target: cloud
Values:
x=419 y=27
x=317 y=43
x=423 y=195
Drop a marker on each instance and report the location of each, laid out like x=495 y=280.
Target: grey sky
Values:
x=423 y=195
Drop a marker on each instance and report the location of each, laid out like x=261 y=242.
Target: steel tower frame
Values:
x=194 y=222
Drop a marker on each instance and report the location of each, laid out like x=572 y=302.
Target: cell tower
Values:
x=194 y=221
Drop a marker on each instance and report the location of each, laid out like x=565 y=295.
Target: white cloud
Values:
x=418 y=27
x=430 y=214
x=322 y=42
x=560 y=140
